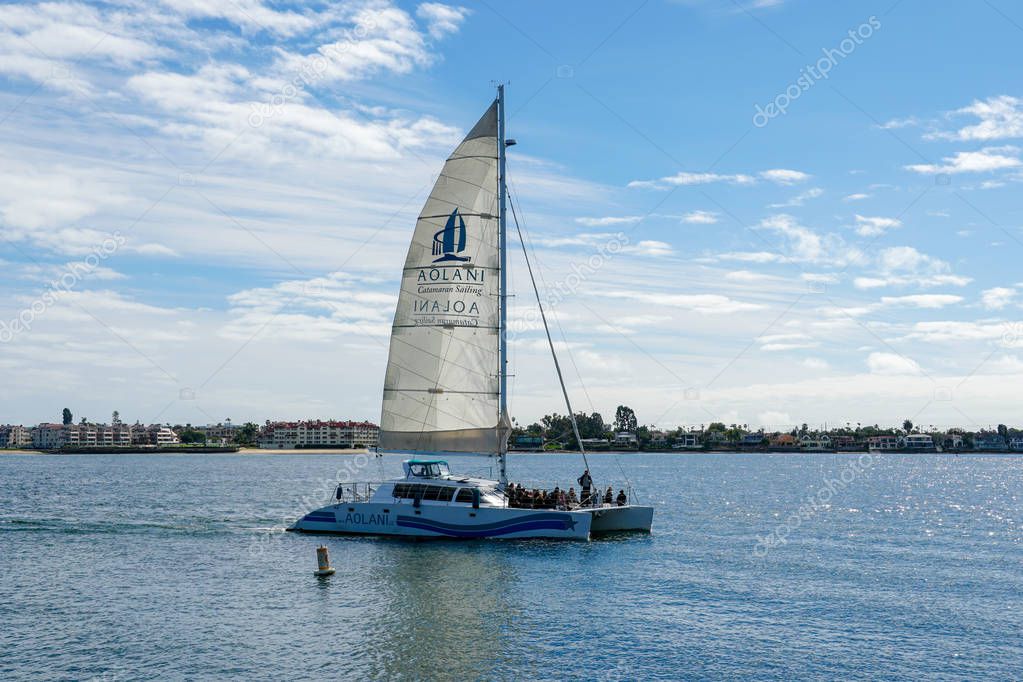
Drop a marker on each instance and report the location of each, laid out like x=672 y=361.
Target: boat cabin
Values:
x=426 y=468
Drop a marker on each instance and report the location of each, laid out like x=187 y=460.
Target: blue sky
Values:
x=188 y=236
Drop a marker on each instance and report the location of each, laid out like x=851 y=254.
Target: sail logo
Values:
x=450 y=241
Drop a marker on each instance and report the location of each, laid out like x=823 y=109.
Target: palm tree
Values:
x=907 y=426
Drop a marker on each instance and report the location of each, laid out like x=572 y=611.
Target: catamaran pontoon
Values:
x=445 y=389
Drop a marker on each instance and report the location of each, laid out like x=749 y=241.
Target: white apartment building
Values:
x=15 y=436
x=319 y=434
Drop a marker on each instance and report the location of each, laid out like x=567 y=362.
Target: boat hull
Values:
x=621 y=519
x=436 y=521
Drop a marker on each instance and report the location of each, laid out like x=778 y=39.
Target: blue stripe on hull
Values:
x=320 y=518
x=536 y=522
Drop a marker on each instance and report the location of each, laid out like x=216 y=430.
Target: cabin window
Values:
x=464 y=495
x=434 y=493
x=438 y=493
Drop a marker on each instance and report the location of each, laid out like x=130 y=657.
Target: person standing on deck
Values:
x=585 y=483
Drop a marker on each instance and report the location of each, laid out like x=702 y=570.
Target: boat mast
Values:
x=502 y=454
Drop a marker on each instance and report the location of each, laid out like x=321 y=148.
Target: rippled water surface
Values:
x=759 y=566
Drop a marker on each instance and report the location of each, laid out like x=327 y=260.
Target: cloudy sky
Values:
x=759 y=212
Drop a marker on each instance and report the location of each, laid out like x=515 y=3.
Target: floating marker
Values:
x=323 y=562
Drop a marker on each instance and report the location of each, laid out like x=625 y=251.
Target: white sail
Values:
x=442 y=386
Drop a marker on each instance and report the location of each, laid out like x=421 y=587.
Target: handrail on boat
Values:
x=362 y=491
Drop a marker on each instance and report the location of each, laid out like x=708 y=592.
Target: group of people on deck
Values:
x=558 y=499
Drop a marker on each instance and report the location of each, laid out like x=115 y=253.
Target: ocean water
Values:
x=775 y=567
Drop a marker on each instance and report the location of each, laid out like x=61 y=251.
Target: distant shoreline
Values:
x=364 y=451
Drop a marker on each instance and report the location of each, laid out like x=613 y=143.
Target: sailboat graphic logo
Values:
x=450 y=240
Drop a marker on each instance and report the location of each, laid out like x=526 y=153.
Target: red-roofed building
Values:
x=319 y=434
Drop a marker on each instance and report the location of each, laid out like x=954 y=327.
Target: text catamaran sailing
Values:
x=445 y=387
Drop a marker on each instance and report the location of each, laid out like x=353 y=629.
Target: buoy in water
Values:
x=323 y=562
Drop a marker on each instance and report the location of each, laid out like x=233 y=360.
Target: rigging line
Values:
x=617 y=461
x=550 y=341
x=561 y=329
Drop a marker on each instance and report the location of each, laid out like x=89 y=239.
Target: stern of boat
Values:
x=620 y=519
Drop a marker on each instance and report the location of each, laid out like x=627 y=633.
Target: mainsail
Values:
x=442 y=389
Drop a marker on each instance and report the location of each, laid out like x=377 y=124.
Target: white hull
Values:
x=437 y=521
x=615 y=519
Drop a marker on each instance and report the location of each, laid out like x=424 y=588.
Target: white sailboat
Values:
x=445 y=389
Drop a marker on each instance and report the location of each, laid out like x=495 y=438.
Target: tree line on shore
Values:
x=556 y=430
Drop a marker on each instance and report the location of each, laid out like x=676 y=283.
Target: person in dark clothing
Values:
x=621 y=498
x=609 y=496
x=585 y=483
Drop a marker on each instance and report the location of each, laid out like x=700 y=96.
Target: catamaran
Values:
x=445 y=388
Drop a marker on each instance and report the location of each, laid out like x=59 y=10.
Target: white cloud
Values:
x=747 y=276
x=609 y=220
x=785 y=342
x=875 y=226
x=904 y=265
x=859 y=196
x=891 y=363
x=983 y=161
x=440 y=19
x=997 y=297
x=700 y=217
x=687 y=178
x=998 y=117
x=780 y=176
x=958 y=331
x=819 y=277
x=706 y=304
x=805 y=245
x=800 y=198
x=752 y=256
x=922 y=300
x=784 y=176
x=250 y=14
x=649 y=247
x=896 y=123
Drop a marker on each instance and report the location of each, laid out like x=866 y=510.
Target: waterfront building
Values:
x=48 y=436
x=219 y=434
x=918 y=442
x=625 y=440
x=687 y=441
x=815 y=443
x=51 y=436
x=989 y=442
x=883 y=443
x=319 y=434
x=752 y=440
x=845 y=443
x=1016 y=443
x=526 y=443
x=658 y=440
x=953 y=441
x=154 y=434
x=15 y=436
x=784 y=441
